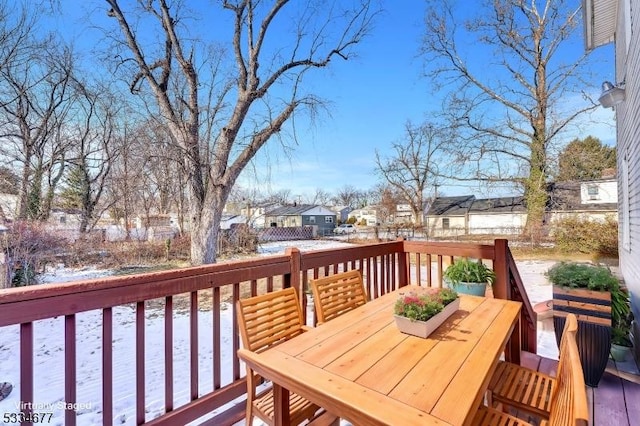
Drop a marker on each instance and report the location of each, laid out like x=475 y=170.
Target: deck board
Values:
x=632 y=398
x=608 y=405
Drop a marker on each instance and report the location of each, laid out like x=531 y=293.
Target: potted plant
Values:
x=586 y=290
x=469 y=277
x=420 y=313
x=621 y=330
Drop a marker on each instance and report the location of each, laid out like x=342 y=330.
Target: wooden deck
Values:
x=615 y=401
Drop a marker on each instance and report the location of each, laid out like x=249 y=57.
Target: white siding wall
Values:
x=607 y=192
x=628 y=137
x=593 y=215
x=457 y=226
x=497 y=223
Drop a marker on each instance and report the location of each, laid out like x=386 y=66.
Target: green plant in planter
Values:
x=469 y=277
x=595 y=278
x=622 y=319
x=582 y=275
x=620 y=335
x=594 y=293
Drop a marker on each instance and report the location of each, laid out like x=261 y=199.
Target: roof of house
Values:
x=498 y=205
x=299 y=210
x=453 y=206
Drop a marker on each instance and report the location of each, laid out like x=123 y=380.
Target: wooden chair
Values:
x=568 y=402
x=336 y=294
x=523 y=388
x=265 y=321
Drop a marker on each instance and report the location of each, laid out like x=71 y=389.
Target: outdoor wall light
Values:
x=611 y=95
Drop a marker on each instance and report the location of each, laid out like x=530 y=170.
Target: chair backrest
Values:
x=569 y=401
x=269 y=319
x=336 y=294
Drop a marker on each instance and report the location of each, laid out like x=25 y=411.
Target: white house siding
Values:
x=457 y=226
x=605 y=192
x=9 y=206
x=628 y=144
x=592 y=215
x=369 y=215
x=497 y=223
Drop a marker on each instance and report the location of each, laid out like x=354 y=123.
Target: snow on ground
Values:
x=49 y=350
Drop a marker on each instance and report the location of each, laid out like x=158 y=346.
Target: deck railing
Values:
x=157 y=302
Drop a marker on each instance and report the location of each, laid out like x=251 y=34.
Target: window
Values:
x=445 y=223
x=328 y=219
x=63 y=219
x=312 y=219
x=592 y=191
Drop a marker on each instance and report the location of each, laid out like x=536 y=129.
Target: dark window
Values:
x=445 y=223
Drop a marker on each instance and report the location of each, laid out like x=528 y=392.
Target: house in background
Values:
x=342 y=212
x=599 y=191
x=256 y=213
x=504 y=215
x=367 y=216
x=468 y=215
x=448 y=216
x=228 y=220
x=8 y=207
x=618 y=22
x=403 y=214
x=322 y=218
x=591 y=200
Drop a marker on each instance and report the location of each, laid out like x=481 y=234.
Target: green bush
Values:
x=584 y=236
x=582 y=275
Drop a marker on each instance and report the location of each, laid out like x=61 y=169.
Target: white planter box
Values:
x=425 y=328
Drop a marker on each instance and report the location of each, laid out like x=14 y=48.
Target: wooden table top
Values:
x=360 y=367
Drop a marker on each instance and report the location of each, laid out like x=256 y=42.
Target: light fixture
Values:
x=611 y=95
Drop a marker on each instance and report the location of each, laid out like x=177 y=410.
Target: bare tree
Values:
x=282 y=196
x=387 y=198
x=265 y=60
x=320 y=197
x=415 y=165
x=507 y=107
x=94 y=148
x=34 y=100
x=347 y=195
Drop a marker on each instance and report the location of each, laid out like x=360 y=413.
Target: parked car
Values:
x=345 y=228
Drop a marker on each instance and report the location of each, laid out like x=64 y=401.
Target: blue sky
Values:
x=369 y=100
x=372 y=98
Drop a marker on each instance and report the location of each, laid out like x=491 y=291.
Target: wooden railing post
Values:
x=292 y=279
x=403 y=266
x=501 y=288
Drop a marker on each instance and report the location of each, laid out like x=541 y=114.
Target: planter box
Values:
x=593 y=309
x=425 y=328
x=473 y=289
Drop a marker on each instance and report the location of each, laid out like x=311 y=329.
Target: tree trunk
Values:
x=205 y=227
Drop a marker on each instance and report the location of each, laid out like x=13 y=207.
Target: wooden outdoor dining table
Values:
x=360 y=367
